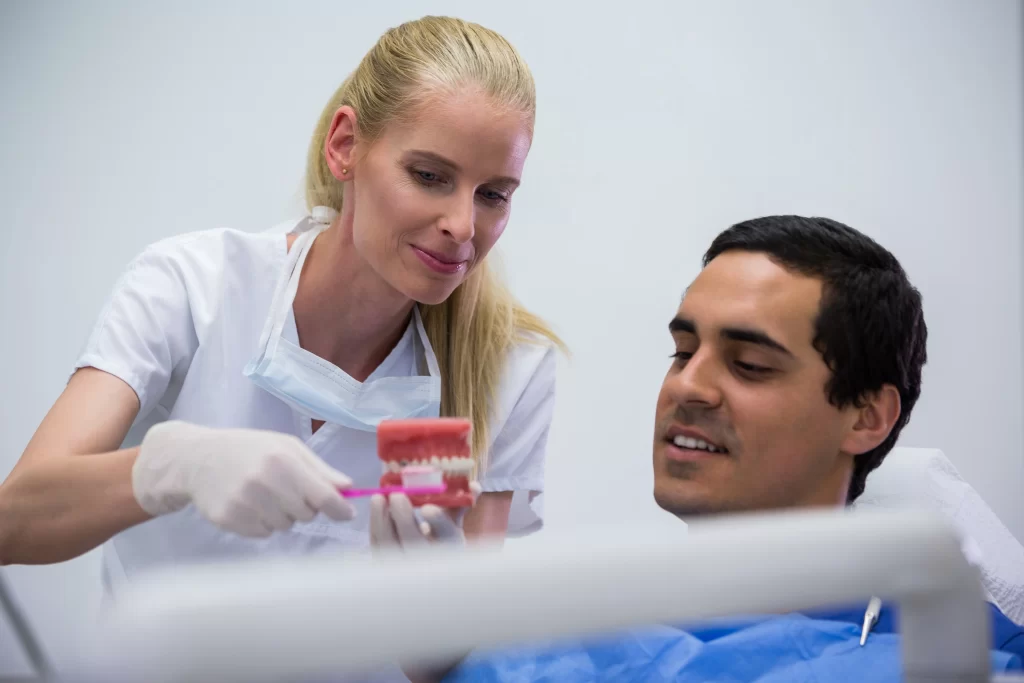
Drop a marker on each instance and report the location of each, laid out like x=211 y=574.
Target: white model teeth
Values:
x=694 y=444
x=452 y=466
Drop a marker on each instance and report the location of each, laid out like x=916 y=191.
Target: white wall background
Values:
x=658 y=126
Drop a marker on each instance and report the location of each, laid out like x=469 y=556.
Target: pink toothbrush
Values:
x=416 y=481
x=407 y=490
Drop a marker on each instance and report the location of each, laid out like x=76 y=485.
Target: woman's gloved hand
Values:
x=393 y=522
x=247 y=481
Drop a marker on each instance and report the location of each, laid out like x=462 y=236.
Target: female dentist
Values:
x=266 y=359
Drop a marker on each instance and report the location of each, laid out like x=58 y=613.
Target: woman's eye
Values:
x=494 y=196
x=681 y=356
x=427 y=176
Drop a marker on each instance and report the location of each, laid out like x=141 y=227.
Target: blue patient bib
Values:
x=793 y=648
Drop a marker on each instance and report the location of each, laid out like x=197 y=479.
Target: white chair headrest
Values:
x=925 y=478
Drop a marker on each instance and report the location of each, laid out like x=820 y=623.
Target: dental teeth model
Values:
x=438 y=446
x=427 y=459
x=417 y=477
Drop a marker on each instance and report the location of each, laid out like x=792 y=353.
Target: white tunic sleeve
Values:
x=144 y=334
x=515 y=461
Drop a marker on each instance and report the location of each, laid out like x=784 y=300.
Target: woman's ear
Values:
x=874 y=421
x=339 y=147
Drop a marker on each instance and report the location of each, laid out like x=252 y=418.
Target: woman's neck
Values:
x=344 y=311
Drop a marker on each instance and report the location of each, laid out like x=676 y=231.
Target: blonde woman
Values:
x=254 y=366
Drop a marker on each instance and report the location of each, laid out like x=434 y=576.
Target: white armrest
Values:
x=266 y=622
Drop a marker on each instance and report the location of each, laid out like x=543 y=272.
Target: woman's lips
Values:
x=438 y=262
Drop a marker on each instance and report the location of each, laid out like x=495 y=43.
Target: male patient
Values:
x=798 y=357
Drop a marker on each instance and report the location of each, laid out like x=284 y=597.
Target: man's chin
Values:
x=683 y=503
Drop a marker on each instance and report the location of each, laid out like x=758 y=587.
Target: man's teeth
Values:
x=698 y=444
x=446 y=465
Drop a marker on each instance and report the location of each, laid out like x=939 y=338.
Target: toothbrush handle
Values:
x=386 y=490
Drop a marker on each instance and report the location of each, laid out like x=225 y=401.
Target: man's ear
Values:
x=873 y=421
x=340 y=145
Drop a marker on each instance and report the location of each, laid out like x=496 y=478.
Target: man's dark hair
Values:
x=870 y=329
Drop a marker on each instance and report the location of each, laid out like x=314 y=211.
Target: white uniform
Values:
x=183 y=322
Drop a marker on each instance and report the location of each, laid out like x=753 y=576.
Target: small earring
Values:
x=344 y=171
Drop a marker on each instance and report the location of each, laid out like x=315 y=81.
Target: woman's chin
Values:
x=429 y=293
x=432 y=298
x=415 y=287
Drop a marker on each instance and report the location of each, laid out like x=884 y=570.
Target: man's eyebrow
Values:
x=682 y=325
x=739 y=334
x=758 y=337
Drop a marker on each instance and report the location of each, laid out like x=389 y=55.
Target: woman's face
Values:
x=430 y=197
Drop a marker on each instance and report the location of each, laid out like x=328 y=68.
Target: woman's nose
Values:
x=459 y=223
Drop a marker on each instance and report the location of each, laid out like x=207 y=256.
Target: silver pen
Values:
x=870 y=619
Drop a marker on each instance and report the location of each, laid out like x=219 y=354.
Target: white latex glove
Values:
x=393 y=522
x=247 y=481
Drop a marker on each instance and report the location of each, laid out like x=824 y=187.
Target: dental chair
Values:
x=925 y=479
x=310 y=620
x=919 y=536
x=23 y=635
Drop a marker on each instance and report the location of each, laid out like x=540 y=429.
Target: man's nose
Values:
x=697 y=383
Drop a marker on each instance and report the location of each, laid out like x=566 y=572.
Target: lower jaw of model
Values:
x=455 y=473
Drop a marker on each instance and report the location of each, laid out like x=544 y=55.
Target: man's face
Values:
x=743 y=420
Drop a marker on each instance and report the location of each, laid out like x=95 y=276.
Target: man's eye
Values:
x=756 y=369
